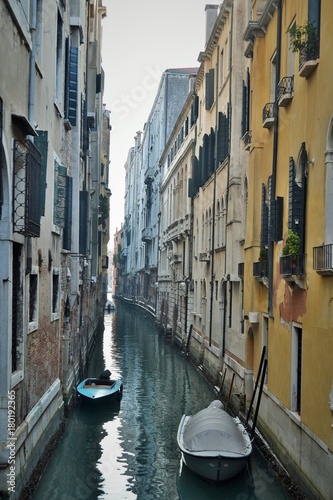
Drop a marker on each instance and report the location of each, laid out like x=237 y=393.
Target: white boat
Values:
x=214 y=445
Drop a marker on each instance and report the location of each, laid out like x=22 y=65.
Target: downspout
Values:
x=275 y=151
x=31 y=110
x=212 y=276
x=228 y=180
x=190 y=250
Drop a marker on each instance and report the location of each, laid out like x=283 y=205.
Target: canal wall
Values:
x=32 y=438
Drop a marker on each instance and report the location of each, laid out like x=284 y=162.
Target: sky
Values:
x=141 y=39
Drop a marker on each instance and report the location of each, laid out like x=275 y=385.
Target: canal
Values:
x=130 y=451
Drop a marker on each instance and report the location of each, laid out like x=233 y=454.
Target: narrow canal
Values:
x=130 y=451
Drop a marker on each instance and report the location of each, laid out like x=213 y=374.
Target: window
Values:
x=296 y=369
x=33 y=299
x=59 y=61
x=221 y=68
x=17 y=308
x=209 y=89
x=39 y=31
x=27 y=182
x=55 y=294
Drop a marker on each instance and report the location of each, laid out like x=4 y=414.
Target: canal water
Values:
x=130 y=451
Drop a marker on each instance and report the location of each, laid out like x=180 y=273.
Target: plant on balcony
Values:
x=304 y=39
x=263 y=254
x=293 y=244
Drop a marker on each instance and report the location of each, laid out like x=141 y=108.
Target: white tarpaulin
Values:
x=213 y=429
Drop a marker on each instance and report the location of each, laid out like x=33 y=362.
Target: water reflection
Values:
x=131 y=452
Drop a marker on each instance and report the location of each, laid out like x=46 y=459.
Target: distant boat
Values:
x=100 y=390
x=214 y=445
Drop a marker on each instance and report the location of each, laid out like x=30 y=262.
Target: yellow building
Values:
x=288 y=271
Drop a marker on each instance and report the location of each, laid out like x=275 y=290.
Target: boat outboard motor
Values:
x=105 y=375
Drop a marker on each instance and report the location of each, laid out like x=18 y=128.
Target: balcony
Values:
x=292 y=268
x=27 y=188
x=260 y=271
x=268 y=115
x=147 y=234
x=204 y=257
x=285 y=91
x=323 y=260
x=308 y=60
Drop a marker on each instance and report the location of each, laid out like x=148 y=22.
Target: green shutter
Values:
x=264 y=218
x=60 y=196
x=73 y=85
x=41 y=142
x=67 y=233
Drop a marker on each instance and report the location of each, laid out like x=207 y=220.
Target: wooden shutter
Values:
x=83 y=222
x=264 y=218
x=209 y=89
x=1 y=186
x=41 y=142
x=67 y=233
x=73 y=85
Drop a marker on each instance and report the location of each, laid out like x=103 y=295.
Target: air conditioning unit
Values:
x=204 y=257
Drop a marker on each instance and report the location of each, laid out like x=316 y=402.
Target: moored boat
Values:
x=214 y=445
x=101 y=389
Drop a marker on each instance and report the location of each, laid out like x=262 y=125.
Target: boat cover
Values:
x=213 y=429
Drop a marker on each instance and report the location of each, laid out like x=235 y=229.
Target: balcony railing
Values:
x=285 y=90
x=292 y=266
x=27 y=188
x=323 y=260
x=268 y=115
x=260 y=271
x=308 y=60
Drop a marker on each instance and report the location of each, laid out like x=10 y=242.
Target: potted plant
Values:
x=263 y=254
x=304 y=39
x=293 y=244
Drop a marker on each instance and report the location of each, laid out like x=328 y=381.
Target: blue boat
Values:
x=100 y=390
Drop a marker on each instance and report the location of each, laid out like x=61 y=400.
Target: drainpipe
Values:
x=275 y=151
x=227 y=280
x=31 y=104
x=212 y=276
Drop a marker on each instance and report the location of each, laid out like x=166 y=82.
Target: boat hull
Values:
x=214 y=469
x=95 y=391
x=227 y=452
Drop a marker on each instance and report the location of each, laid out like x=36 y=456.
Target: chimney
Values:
x=211 y=16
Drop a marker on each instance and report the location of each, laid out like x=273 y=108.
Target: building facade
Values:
x=244 y=263
x=142 y=185
x=288 y=257
x=51 y=144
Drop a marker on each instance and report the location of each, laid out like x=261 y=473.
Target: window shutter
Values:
x=205 y=166
x=222 y=137
x=66 y=90
x=211 y=154
x=209 y=89
x=73 y=85
x=67 y=233
x=41 y=142
x=60 y=196
x=277 y=219
x=83 y=222
x=195 y=110
x=1 y=187
x=264 y=218
x=98 y=83
x=296 y=206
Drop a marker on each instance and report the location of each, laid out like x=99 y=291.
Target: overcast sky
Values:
x=141 y=39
